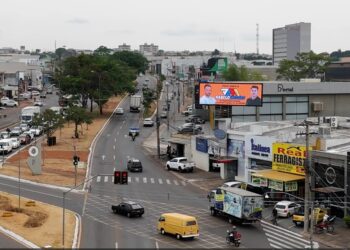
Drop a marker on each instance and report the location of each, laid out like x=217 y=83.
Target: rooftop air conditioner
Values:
x=334 y=122
x=317 y=106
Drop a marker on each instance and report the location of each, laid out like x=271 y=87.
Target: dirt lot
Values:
x=40 y=224
x=57 y=166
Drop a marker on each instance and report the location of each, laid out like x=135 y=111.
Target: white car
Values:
x=38 y=103
x=286 y=208
x=119 y=111
x=25 y=95
x=35 y=93
x=181 y=164
x=4 y=135
x=148 y=122
x=29 y=133
x=36 y=130
x=24 y=127
x=5 y=146
x=15 y=142
x=9 y=103
x=232 y=184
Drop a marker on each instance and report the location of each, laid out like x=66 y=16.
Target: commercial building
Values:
x=124 y=47
x=290 y=40
x=149 y=49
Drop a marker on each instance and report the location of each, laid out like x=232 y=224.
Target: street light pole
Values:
x=167 y=104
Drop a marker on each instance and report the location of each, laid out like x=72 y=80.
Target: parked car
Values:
x=188 y=111
x=25 y=95
x=286 y=208
x=4 y=98
x=148 y=122
x=190 y=117
x=24 y=139
x=4 y=135
x=134 y=165
x=9 y=103
x=163 y=115
x=184 y=130
x=190 y=125
x=195 y=120
x=39 y=103
x=35 y=93
x=5 y=146
x=181 y=164
x=15 y=142
x=43 y=95
x=298 y=216
x=16 y=131
x=119 y=111
x=128 y=208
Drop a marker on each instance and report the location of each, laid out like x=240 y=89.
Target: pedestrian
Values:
x=274 y=216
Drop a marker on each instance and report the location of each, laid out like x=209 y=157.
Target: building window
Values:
x=297 y=107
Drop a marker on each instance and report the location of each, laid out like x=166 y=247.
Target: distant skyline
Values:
x=226 y=25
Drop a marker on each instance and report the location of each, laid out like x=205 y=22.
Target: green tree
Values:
x=305 y=65
x=49 y=120
x=102 y=50
x=78 y=116
x=132 y=59
x=216 y=52
x=232 y=73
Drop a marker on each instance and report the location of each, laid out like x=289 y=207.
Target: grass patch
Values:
x=148 y=112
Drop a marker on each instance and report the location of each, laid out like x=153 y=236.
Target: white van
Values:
x=5 y=146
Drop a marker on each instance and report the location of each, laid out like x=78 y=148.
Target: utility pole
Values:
x=167 y=104
x=307 y=182
x=157 y=120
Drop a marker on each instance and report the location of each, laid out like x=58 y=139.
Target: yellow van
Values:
x=180 y=225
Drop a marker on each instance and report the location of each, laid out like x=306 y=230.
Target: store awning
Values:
x=278 y=176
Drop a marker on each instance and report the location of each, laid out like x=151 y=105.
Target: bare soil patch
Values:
x=40 y=224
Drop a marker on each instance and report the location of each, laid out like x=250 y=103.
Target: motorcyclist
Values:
x=133 y=136
x=233 y=233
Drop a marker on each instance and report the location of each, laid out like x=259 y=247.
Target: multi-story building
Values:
x=290 y=40
x=124 y=47
x=148 y=48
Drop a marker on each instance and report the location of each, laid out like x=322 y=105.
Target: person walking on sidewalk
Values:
x=274 y=216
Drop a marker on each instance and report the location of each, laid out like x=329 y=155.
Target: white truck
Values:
x=135 y=103
x=236 y=204
x=58 y=110
x=27 y=113
x=181 y=164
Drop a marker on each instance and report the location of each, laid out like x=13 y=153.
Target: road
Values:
x=155 y=188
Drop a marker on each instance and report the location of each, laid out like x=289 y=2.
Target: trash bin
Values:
x=50 y=141
x=53 y=140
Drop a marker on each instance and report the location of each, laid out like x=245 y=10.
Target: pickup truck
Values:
x=181 y=164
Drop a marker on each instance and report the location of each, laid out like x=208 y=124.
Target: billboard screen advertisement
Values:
x=231 y=94
x=289 y=158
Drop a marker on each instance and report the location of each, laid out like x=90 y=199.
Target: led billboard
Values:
x=231 y=94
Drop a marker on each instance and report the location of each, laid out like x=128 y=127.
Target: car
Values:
x=9 y=103
x=24 y=139
x=232 y=184
x=43 y=95
x=190 y=125
x=49 y=91
x=163 y=115
x=38 y=103
x=181 y=164
x=286 y=208
x=128 y=208
x=195 y=119
x=24 y=127
x=134 y=165
x=5 y=146
x=186 y=130
x=298 y=216
x=190 y=117
x=15 y=142
x=4 y=98
x=119 y=111
x=4 y=135
x=187 y=112
x=35 y=93
x=25 y=95
x=16 y=131
x=31 y=134
x=148 y=122
x=134 y=130
x=36 y=130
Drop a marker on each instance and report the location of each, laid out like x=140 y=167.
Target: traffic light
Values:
x=116 y=177
x=124 y=179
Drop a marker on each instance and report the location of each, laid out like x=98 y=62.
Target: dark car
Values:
x=191 y=117
x=134 y=165
x=24 y=139
x=43 y=95
x=128 y=208
x=184 y=129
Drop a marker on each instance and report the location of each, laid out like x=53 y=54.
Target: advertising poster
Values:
x=289 y=158
x=235 y=148
x=231 y=94
x=233 y=204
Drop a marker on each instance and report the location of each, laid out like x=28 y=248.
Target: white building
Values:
x=124 y=47
x=290 y=40
x=148 y=49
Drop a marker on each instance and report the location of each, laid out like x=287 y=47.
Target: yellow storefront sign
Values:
x=289 y=158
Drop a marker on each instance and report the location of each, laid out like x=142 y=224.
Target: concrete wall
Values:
x=333 y=105
x=201 y=159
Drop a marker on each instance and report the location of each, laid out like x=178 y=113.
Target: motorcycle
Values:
x=230 y=238
x=325 y=226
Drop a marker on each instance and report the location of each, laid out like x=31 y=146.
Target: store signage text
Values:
x=258 y=149
x=280 y=88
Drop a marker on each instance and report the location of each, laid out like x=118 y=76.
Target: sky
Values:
x=175 y=25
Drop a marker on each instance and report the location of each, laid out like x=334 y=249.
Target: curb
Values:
x=18 y=238
x=326 y=243
x=77 y=232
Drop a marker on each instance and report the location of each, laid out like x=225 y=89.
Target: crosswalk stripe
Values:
x=183 y=183
x=129 y=179
x=176 y=183
x=283 y=241
x=98 y=179
x=265 y=224
x=152 y=180
x=106 y=178
x=137 y=179
x=160 y=181
x=274 y=246
x=144 y=179
x=168 y=181
x=279 y=230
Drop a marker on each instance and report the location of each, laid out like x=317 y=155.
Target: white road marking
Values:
x=157 y=246
x=98 y=179
x=116 y=245
x=168 y=181
x=125 y=136
x=129 y=179
x=183 y=183
x=106 y=178
x=113 y=169
x=121 y=127
x=152 y=180
x=103 y=157
x=176 y=183
x=113 y=157
x=114 y=147
x=137 y=179
x=117 y=134
x=160 y=181
x=115 y=139
x=144 y=179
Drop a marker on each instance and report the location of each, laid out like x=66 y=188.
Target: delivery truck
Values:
x=236 y=204
x=28 y=113
x=135 y=103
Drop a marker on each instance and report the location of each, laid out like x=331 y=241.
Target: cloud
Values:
x=192 y=32
x=78 y=21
